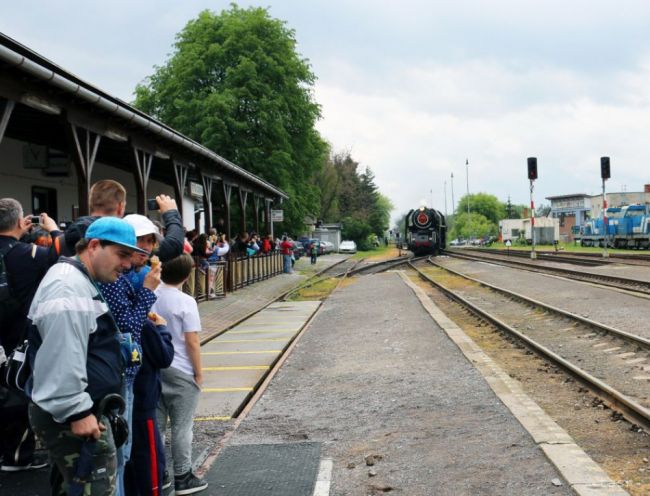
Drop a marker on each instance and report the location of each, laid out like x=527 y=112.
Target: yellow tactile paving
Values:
x=237 y=361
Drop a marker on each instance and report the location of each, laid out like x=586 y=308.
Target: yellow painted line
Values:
x=265 y=331
x=248 y=367
x=247 y=340
x=263 y=352
x=207 y=419
x=226 y=390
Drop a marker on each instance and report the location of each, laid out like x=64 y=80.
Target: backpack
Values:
x=9 y=305
x=14 y=373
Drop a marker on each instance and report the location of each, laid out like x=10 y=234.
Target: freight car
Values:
x=425 y=231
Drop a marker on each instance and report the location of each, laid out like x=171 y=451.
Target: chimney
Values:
x=646 y=188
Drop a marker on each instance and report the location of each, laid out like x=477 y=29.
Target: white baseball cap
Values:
x=143 y=226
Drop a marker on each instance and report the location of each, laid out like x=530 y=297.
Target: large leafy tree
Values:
x=235 y=82
x=482 y=203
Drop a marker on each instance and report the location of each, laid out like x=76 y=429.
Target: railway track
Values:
x=577 y=258
x=616 y=282
x=608 y=361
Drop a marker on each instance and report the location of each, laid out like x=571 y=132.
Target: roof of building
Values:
x=573 y=195
x=62 y=82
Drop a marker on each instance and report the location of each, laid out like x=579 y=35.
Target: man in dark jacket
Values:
x=146 y=467
x=25 y=264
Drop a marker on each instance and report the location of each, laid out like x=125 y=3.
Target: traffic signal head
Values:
x=532 y=168
x=604 y=168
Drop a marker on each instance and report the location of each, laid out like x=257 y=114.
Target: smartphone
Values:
x=36 y=219
x=152 y=204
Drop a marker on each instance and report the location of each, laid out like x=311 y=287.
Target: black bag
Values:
x=17 y=369
x=9 y=306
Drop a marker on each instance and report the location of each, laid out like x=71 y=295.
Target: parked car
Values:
x=328 y=247
x=298 y=250
x=348 y=247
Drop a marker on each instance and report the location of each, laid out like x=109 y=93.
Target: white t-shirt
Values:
x=182 y=315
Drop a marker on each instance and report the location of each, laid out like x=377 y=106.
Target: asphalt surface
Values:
x=375 y=376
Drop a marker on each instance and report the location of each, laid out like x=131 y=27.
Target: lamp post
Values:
x=532 y=175
x=605 y=174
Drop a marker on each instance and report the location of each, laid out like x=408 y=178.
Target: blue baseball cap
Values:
x=114 y=230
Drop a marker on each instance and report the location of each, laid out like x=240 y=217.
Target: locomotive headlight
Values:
x=421 y=209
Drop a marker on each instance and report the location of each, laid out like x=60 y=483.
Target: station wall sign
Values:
x=277 y=215
x=196 y=190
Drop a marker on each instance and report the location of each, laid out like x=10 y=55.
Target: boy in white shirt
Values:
x=181 y=382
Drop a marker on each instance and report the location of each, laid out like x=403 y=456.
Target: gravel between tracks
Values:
x=373 y=375
x=625 y=312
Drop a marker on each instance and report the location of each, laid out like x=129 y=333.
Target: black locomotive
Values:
x=425 y=231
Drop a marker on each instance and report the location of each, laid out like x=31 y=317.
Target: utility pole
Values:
x=445 y=186
x=431 y=193
x=467 y=176
x=453 y=202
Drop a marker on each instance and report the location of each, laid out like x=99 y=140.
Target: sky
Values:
x=413 y=89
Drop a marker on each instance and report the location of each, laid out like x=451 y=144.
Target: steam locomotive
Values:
x=425 y=231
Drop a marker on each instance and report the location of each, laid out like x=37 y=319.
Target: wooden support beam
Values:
x=6 y=107
x=256 y=205
x=227 y=190
x=83 y=145
x=142 y=162
x=180 y=173
x=243 y=197
x=207 y=200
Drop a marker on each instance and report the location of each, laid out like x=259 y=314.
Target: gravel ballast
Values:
x=374 y=378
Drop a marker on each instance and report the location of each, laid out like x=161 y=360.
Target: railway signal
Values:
x=605 y=174
x=532 y=175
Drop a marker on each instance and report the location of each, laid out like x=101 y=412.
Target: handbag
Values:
x=17 y=369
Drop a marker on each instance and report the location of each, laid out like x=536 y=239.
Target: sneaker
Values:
x=167 y=480
x=189 y=484
x=36 y=463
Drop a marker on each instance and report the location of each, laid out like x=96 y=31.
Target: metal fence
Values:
x=242 y=270
x=214 y=279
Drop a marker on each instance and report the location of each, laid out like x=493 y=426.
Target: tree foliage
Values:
x=235 y=82
x=482 y=203
x=473 y=226
x=350 y=195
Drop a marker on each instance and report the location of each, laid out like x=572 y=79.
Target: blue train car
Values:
x=627 y=227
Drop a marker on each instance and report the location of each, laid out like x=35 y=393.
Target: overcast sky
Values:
x=413 y=88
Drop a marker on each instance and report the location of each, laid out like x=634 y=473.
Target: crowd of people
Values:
x=112 y=344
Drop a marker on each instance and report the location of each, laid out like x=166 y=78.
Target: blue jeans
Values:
x=287 y=264
x=124 y=451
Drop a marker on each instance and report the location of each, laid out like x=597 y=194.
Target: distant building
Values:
x=574 y=209
x=547 y=230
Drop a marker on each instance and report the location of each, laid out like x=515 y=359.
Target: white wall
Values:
x=16 y=182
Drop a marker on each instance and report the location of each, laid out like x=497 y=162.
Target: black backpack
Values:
x=9 y=306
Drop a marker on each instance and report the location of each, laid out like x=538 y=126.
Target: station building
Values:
x=60 y=134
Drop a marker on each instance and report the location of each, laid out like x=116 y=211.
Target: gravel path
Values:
x=625 y=312
x=373 y=375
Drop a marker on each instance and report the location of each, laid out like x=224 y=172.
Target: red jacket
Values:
x=286 y=247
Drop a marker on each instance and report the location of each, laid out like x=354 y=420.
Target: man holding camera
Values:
x=25 y=266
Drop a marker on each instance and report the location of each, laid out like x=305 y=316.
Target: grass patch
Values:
x=317 y=291
x=381 y=252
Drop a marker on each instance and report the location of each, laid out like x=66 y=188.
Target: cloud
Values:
x=495 y=114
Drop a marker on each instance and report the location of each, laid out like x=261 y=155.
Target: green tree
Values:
x=482 y=203
x=235 y=83
x=472 y=226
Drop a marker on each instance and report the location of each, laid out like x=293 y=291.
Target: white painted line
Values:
x=600 y=345
x=324 y=479
x=642 y=378
x=626 y=355
x=608 y=350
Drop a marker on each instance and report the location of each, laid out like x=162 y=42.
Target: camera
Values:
x=152 y=204
x=36 y=219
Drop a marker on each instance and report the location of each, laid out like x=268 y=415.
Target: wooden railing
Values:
x=214 y=279
x=242 y=271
